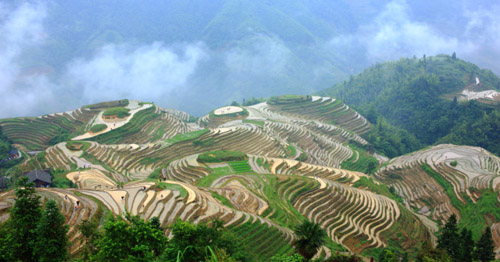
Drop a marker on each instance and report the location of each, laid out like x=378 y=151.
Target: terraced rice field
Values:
x=240 y=166
x=475 y=168
x=36 y=133
x=326 y=110
x=260 y=199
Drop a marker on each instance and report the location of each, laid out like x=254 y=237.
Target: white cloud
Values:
x=21 y=28
x=394 y=34
x=146 y=73
x=262 y=55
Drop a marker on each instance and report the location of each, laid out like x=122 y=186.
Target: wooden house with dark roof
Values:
x=41 y=178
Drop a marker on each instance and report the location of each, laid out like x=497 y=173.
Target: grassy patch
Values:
x=205 y=142
x=98 y=128
x=119 y=112
x=263 y=163
x=225 y=170
x=222 y=199
x=288 y=99
x=290 y=151
x=208 y=180
x=130 y=129
x=221 y=156
x=174 y=187
x=187 y=136
x=123 y=102
x=364 y=163
x=60 y=180
x=474 y=217
x=261 y=241
x=77 y=145
x=240 y=166
x=380 y=189
x=215 y=174
x=280 y=210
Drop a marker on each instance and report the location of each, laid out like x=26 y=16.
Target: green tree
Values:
x=24 y=218
x=454 y=56
x=6 y=251
x=485 y=247
x=466 y=245
x=130 y=240
x=427 y=253
x=310 y=237
x=392 y=255
x=448 y=239
x=286 y=258
x=193 y=242
x=51 y=242
x=90 y=235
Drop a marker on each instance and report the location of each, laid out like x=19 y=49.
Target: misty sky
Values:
x=199 y=55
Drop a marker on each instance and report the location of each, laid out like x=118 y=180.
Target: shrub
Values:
x=221 y=156
x=76 y=145
x=98 y=128
x=454 y=163
x=120 y=112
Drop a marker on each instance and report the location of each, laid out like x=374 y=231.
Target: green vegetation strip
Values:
x=77 y=145
x=217 y=173
x=222 y=199
x=186 y=136
x=98 y=128
x=174 y=187
x=474 y=217
x=365 y=162
x=221 y=156
x=120 y=112
x=138 y=121
x=240 y=166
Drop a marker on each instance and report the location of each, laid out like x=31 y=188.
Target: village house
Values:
x=41 y=178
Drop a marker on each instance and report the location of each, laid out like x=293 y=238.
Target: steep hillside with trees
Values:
x=421 y=96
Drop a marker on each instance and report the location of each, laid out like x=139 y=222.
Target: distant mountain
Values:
x=425 y=97
x=203 y=53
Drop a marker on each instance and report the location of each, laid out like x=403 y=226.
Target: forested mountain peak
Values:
x=425 y=98
x=453 y=75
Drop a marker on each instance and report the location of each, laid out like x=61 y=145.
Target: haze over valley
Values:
x=199 y=54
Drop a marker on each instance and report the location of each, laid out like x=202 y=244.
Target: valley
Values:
x=270 y=166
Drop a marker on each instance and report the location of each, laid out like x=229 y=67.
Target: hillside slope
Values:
x=262 y=169
x=423 y=97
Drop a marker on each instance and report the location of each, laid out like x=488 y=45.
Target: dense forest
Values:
x=413 y=103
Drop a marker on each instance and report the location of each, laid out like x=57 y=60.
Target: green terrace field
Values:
x=41 y=132
x=240 y=166
x=109 y=104
x=329 y=111
x=285 y=99
x=147 y=125
x=186 y=136
x=262 y=241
